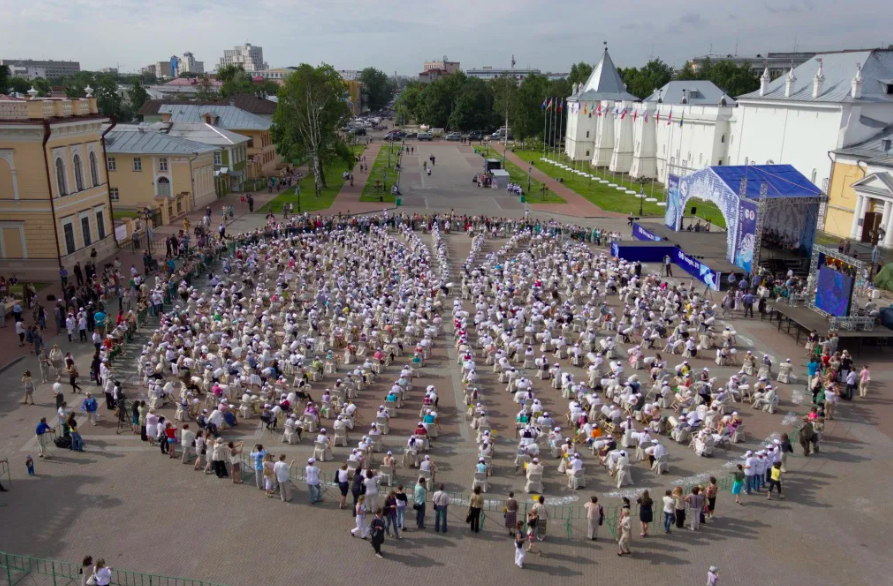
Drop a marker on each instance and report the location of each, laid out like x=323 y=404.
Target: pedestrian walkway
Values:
x=347 y=201
x=576 y=205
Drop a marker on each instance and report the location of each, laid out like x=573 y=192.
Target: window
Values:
x=218 y=158
x=164 y=187
x=137 y=164
x=719 y=162
x=94 y=170
x=61 y=183
x=70 y=246
x=111 y=164
x=587 y=134
x=85 y=230
x=78 y=173
x=113 y=194
x=722 y=138
x=162 y=164
x=100 y=224
x=587 y=153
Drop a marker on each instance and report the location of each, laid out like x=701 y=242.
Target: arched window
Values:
x=722 y=138
x=94 y=170
x=164 y=187
x=78 y=173
x=61 y=183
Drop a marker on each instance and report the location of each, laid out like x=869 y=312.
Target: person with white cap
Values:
x=750 y=470
x=713 y=576
x=311 y=477
x=282 y=471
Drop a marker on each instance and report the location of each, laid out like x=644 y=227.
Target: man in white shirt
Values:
x=311 y=476
x=215 y=420
x=750 y=468
x=655 y=451
x=187 y=436
x=282 y=470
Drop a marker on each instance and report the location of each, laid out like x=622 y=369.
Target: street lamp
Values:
x=641 y=181
x=529 y=169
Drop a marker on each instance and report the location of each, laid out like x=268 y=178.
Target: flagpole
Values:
x=554 y=127
x=560 y=125
x=545 y=127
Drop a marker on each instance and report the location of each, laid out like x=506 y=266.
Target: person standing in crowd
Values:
x=283 y=477
x=311 y=477
x=712 y=491
x=86 y=570
x=440 y=500
x=28 y=384
x=646 y=512
x=475 y=507
x=376 y=532
x=775 y=481
x=420 y=494
x=695 y=502
x=511 y=515
x=102 y=575
x=519 y=538
x=257 y=456
x=542 y=518
x=360 y=530
x=342 y=477
x=595 y=516
x=390 y=513
x=679 y=507
x=669 y=510
x=624 y=530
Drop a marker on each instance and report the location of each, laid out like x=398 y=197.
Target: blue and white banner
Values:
x=642 y=233
x=745 y=239
x=675 y=203
x=698 y=270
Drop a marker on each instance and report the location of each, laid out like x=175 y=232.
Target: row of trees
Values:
x=457 y=102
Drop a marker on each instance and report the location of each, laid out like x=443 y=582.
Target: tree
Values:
x=580 y=72
x=138 y=95
x=18 y=84
x=642 y=82
x=312 y=107
x=379 y=88
x=206 y=92
x=733 y=79
x=4 y=78
x=474 y=107
x=235 y=80
x=527 y=113
x=42 y=86
x=409 y=102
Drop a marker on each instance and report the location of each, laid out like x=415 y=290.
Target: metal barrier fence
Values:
x=16 y=568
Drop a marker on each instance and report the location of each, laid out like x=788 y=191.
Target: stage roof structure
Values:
x=781 y=181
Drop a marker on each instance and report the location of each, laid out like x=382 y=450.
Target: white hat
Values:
x=311 y=460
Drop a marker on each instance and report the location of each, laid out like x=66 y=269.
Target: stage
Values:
x=805 y=320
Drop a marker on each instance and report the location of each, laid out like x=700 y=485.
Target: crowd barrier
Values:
x=16 y=568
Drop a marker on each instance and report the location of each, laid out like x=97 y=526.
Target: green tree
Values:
x=235 y=80
x=138 y=95
x=42 y=86
x=580 y=72
x=733 y=79
x=379 y=88
x=642 y=82
x=505 y=92
x=18 y=84
x=409 y=103
x=206 y=92
x=474 y=107
x=527 y=113
x=4 y=78
x=311 y=109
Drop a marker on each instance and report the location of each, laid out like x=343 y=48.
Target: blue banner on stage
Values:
x=745 y=239
x=641 y=233
x=675 y=204
x=697 y=269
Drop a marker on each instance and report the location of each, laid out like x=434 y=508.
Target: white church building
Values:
x=832 y=101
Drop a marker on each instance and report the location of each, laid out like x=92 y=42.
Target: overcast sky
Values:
x=398 y=35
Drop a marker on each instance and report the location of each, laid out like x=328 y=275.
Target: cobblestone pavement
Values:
x=139 y=510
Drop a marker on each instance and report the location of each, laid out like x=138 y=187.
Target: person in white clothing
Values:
x=282 y=470
x=311 y=476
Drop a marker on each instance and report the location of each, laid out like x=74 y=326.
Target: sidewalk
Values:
x=348 y=199
x=576 y=205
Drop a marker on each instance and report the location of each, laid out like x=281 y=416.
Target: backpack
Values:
x=601 y=516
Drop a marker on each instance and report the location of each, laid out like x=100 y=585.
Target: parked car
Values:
x=475 y=135
x=425 y=136
x=395 y=135
x=411 y=135
x=454 y=136
x=359 y=131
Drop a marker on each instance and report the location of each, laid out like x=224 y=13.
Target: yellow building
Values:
x=54 y=197
x=262 y=158
x=860 y=193
x=168 y=175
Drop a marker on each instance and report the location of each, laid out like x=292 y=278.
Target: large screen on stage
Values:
x=834 y=290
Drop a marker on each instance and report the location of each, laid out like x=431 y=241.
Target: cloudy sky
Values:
x=398 y=35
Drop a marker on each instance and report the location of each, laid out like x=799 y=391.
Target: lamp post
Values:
x=529 y=169
x=641 y=181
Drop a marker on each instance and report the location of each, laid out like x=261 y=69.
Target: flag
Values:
x=657 y=117
x=635 y=115
x=560 y=103
x=623 y=114
x=584 y=108
x=549 y=107
x=646 y=117
x=670 y=118
x=544 y=104
x=681 y=120
x=599 y=111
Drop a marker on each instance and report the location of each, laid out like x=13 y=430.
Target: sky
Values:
x=399 y=35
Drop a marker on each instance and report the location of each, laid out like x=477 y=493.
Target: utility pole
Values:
x=505 y=137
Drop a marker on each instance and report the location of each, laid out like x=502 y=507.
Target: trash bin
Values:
x=522 y=198
x=399 y=202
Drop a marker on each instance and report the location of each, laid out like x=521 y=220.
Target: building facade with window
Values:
x=168 y=175
x=54 y=198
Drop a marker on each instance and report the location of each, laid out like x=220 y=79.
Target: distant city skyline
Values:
x=122 y=34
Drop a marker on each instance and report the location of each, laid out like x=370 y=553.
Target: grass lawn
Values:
x=309 y=202
x=376 y=172
x=611 y=198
